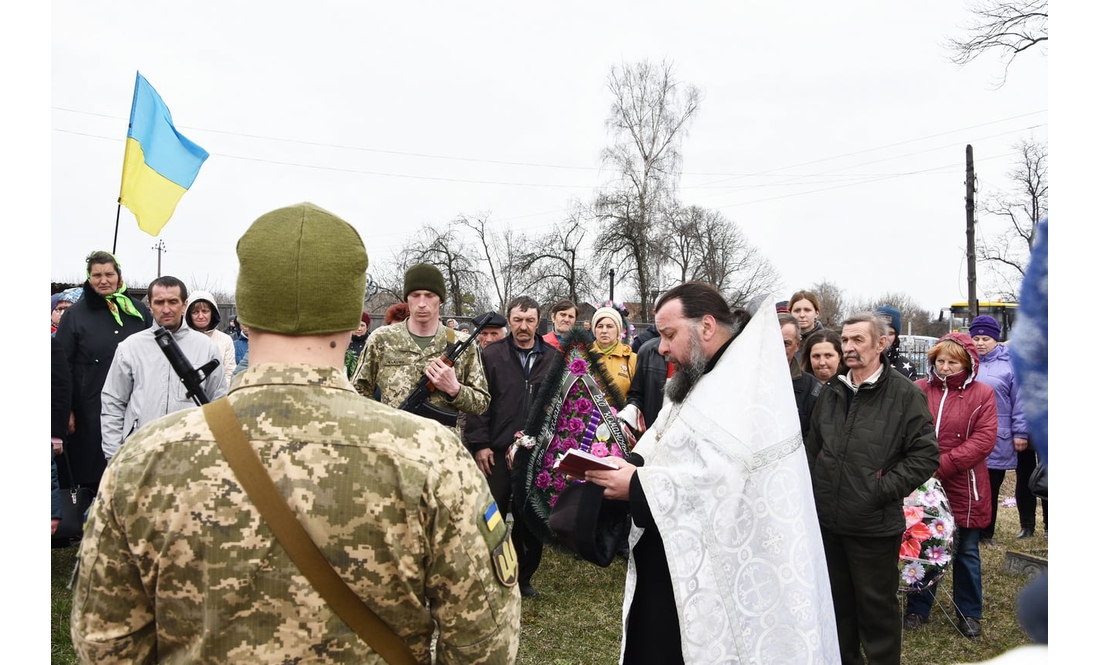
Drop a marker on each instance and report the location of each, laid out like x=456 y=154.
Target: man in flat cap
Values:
x=494 y=328
x=397 y=356
x=178 y=565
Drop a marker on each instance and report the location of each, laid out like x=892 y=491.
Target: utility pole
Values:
x=160 y=249
x=971 y=263
x=611 y=289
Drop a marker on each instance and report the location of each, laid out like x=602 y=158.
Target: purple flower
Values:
x=543 y=480
x=912 y=571
x=584 y=406
x=559 y=483
x=578 y=367
x=599 y=449
x=562 y=420
x=575 y=426
x=568 y=406
x=547 y=460
x=553 y=500
x=939 y=528
x=569 y=442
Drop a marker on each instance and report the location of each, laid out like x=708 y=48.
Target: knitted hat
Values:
x=303 y=271
x=609 y=313
x=892 y=313
x=71 y=295
x=985 y=325
x=365 y=318
x=424 y=277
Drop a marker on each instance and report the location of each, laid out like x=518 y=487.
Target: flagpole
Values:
x=118 y=211
x=122 y=183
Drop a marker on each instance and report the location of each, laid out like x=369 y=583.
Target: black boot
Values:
x=1026 y=532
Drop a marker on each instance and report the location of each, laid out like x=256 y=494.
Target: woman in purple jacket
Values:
x=996 y=371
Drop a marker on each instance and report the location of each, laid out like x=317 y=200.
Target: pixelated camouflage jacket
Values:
x=177 y=565
x=393 y=362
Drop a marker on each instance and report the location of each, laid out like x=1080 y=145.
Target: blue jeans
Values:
x=966 y=576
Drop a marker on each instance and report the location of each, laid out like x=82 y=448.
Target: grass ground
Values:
x=577 y=619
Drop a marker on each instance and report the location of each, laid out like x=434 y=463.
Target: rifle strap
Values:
x=259 y=487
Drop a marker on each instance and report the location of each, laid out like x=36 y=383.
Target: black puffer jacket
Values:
x=647 y=388
x=868 y=454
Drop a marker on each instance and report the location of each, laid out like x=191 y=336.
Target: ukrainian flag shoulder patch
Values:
x=492 y=516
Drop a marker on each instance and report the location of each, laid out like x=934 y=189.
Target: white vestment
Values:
x=728 y=484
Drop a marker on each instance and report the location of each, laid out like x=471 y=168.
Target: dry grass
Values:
x=578 y=618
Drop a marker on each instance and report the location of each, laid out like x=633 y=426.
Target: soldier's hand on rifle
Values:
x=443 y=377
x=486 y=460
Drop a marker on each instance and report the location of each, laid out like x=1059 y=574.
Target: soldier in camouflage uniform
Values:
x=177 y=564
x=397 y=356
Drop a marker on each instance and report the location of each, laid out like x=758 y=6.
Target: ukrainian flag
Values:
x=160 y=163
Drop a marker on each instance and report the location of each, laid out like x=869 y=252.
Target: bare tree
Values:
x=834 y=309
x=1011 y=218
x=650 y=114
x=1008 y=27
x=558 y=265
x=455 y=258
x=503 y=253
x=701 y=244
x=915 y=320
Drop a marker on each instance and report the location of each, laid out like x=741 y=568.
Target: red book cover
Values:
x=575 y=462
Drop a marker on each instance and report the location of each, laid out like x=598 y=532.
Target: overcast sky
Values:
x=834 y=138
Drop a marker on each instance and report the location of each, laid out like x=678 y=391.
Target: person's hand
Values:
x=53 y=526
x=486 y=460
x=1020 y=444
x=616 y=483
x=443 y=377
x=72 y=422
x=56 y=444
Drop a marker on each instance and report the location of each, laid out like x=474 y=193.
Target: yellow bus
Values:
x=958 y=315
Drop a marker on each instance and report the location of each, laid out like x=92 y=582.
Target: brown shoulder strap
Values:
x=292 y=536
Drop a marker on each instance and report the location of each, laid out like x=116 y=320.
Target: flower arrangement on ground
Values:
x=572 y=410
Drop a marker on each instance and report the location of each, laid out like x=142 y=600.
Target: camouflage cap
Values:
x=303 y=271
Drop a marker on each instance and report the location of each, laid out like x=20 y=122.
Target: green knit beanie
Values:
x=425 y=277
x=303 y=271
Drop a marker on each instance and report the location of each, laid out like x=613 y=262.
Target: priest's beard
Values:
x=686 y=376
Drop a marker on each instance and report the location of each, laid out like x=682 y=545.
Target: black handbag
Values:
x=1037 y=483
x=75 y=502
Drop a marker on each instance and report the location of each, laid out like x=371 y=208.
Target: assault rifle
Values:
x=417 y=401
x=192 y=378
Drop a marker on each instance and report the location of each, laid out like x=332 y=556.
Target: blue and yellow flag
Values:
x=160 y=163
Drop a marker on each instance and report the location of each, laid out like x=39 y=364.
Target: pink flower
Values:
x=559 y=483
x=939 y=528
x=578 y=367
x=547 y=460
x=913 y=514
x=583 y=406
x=575 y=426
x=599 y=449
x=568 y=406
x=553 y=500
x=569 y=442
x=562 y=420
x=543 y=480
x=936 y=554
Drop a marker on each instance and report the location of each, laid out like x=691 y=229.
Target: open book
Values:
x=575 y=462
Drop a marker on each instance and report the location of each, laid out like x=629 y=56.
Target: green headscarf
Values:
x=119 y=301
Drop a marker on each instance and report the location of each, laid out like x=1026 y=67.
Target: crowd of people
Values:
x=421 y=462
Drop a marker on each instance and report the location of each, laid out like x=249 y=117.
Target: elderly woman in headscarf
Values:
x=89 y=333
x=615 y=356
